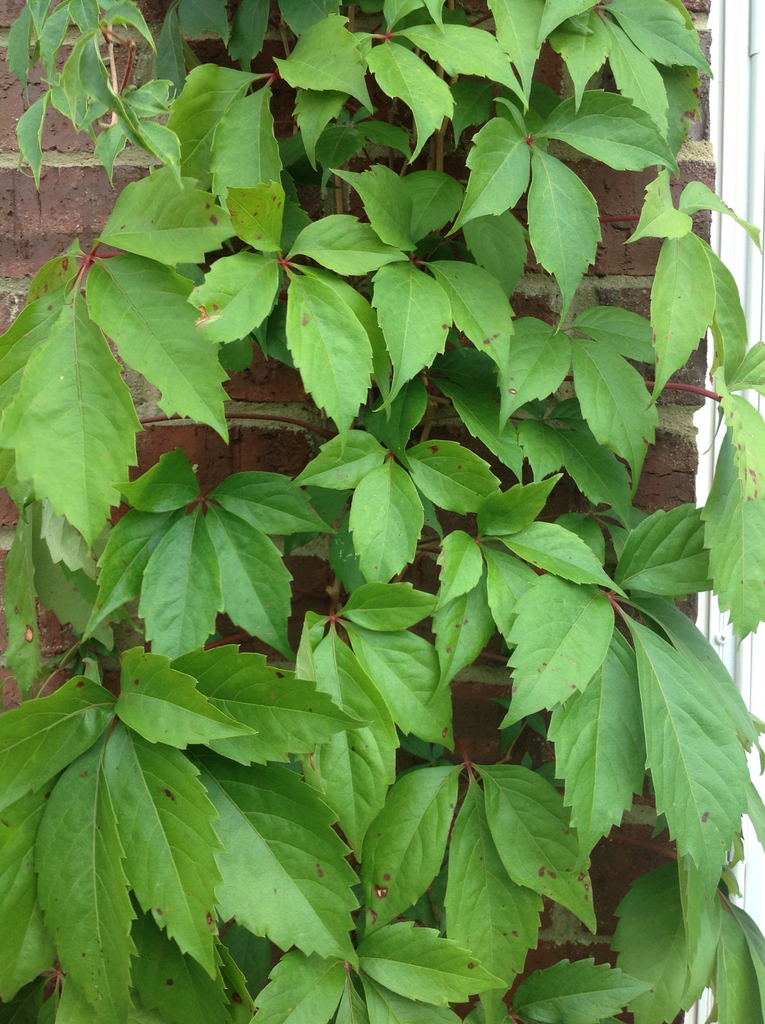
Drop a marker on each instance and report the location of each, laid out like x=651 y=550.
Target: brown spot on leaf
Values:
x=386 y=877
x=169 y=981
x=159 y=911
x=471 y=966
x=214 y=220
x=445 y=733
x=6 y=823
x=29 y=634
x=433 y=448
x=381 y=891
x=305 y=320
x=705 y=816
x=84 y=775
x=167 y=793
x=319 y=870
x=209 y=918
x=80 y=684
x=236 y=998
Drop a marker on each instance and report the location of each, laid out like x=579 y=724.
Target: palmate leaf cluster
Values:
x=166 y=836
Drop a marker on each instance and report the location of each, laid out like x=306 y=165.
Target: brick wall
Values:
x=75 y=199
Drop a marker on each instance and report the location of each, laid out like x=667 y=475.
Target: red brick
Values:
x=669 y=474
x=9 y=514
x=266 y=380
x=58 y=133
x=72 y=202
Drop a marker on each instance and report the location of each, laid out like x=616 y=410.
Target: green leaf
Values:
x=659 y=218
x=403 y=75
x=326 y=56
x=25 y=946
x=472 y=105
x=244 y=149
x=270 y=502
x=481 y=417
x=481 y=899
x=237 y=295
x=255 y=583
x=637 y=77
x=405 y=670
x=419 y=964
x=168 y=222
x=405 y=844
x=143 y=307
x=285 y=715
x=164 y=705
x=698 y=196
x=610 y=128
x=185 y=563
x=542 y=447
x=729 y=328
x=29 y=132
x=386 y=521
x=354 y=769
x=207 y=95
x=314 y=111
x=736 y=984
x=386 y=1007
x=499 y=171
x=650 y=940
x=257 y=214
x=436 y=198
x=682 y=303
x=463 y=50
x=585 y=52
x=507 y=580
x=614 y=401
x=197 y=17
x=302 y=990
x=599 y=745
x=622 y=330
x=330 y=348
x=164 y=821
x=78 y=422
x=461 y=566
x=342 y=463
x=557 y=11
x=415 y=317
x=130 y=546
x=82 y=885
x=174 y=984
x=735 y=533
x=666 y=555
x=248 y=31
x=278 y=836
x=557 y=550
x=540 y=358
x=43 y=736
x=518 y=28
x=756 y=946
x=512 y=510
x=498 y=244
x=23 y=647
x=463 y=627
x=388 y=606
x=387 y=203
x=748 y=441
x=453 y=477
x=661 y=32
x=530 y=827
x=344 y=245
x=579 y=993
x=563 y=223
x=302 y=14
x=562 y=632
x=479 y=308
x=697 y=764
x=691 y=643
x=597 y=472
x=168 y=485
x=352 y=1008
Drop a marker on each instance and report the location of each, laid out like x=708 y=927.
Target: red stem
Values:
x=622 y=218
x=646 y=846
x=694 y=389
x=321 y=431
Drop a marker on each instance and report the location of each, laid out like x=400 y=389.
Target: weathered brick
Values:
x=11 y=304
x=9 y=514
x=669 y=473
x=58 y=133
x=72 y=202
x=266 y=380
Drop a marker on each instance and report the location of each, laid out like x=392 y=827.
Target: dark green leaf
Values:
x=167 y=486
x=23 y=647
x=386 y=1007
x=499 y=161
x=508 y=579
x=302 y=14
x=597 y=472
x=472 y=105
x=463 y=627
x=463 y=50
x=82 y=885
x=627 y=333
x=393 y=425
x=44 y=735
x=278 y=836
x=599 y=745
x=199 y=16
x=343 y=462
x=405 y=844
x=270 y=502
x=248 y=31
x=314 y=111
x=736 y=984
x=164 y=821
x=387 y=203
x=498 y=244
x=542 y=447
x=481 y=416
x=530 y=827
x=436 y=198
